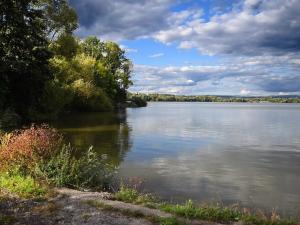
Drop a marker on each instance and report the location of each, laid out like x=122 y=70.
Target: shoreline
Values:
x=127 y=206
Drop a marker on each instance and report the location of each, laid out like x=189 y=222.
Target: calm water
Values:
x=230 y=153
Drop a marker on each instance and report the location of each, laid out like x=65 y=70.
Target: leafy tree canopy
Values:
x=24 y=55
x=45 y=69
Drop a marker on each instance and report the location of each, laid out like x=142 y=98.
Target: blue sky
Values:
x=219 y=47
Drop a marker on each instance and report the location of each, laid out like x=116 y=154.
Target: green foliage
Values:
x=93 y=47
x=23 y=55
x=220 y=214
x=131 y=195
x=137 y=101
x=24 y=186
x=76 y=78
x=65 y=45
x=127 y=194
x=190 y=210
x=90 y=98
x=41 y=59
x=68 y=71
x=40 y=153
x=60 y=18
x=55 y=99
x=98 y=74
x=112 y=68
x=65 y=170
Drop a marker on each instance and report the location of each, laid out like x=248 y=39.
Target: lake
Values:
x=209 y=152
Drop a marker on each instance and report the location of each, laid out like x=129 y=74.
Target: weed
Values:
x=133 y=196
x=23 y=186
x=65 y=170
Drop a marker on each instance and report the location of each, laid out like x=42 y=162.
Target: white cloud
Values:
x=127 y=49
x=245 y=92
x=259 y=27
x=156 y=55
x=236 y=78
x=258 y=42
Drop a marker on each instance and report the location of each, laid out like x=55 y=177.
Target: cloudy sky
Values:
x=220 y=47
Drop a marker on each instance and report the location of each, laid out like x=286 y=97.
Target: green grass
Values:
x=23 y=186
x=133 y=196
x=190 y=210
x=220 y=214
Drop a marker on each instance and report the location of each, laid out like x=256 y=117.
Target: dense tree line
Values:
x=212 y=98
x=46 y=70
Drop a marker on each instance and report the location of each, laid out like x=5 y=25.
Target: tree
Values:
x=113 y=69
x=65 y=45
x=60 y=18
x=23 y=56
x=93 y=47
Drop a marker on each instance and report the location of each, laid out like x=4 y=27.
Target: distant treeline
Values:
x=213 y=98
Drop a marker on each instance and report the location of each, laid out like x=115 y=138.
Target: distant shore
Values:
x=214 y=98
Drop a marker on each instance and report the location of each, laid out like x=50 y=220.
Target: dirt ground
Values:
x=71 y=207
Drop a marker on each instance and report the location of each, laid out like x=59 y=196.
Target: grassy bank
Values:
x=192 y=211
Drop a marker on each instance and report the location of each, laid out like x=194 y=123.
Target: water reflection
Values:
x=108 y=133
x=231 y=153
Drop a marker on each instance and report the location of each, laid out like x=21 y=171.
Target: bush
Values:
x=40 y=152
x=64 y=170
x=25 y=148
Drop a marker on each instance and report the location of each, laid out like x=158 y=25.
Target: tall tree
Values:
x=60 y=17
x=23 y=55
x=113 y=68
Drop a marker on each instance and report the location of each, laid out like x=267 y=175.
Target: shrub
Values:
x=25 y=148
x=40 y=152
x=88 y=171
